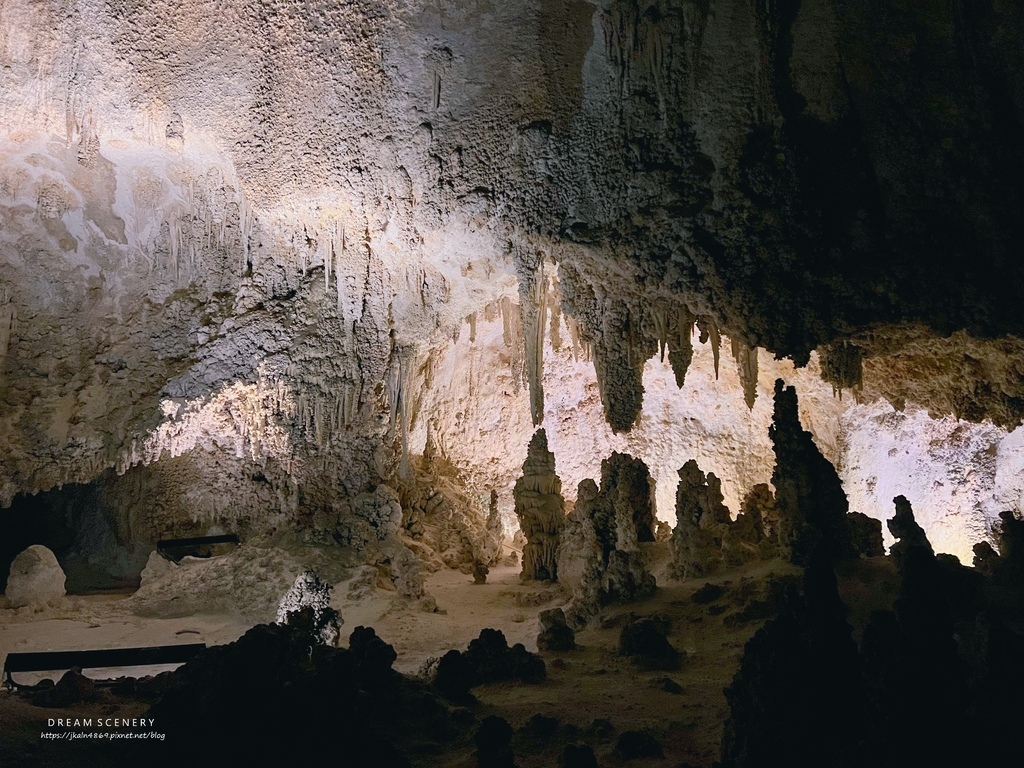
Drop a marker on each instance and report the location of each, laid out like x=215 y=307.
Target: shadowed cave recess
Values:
x=640 y=382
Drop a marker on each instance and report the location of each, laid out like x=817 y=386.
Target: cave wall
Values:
x=234 y=235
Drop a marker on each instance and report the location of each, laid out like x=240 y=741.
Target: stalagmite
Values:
x=540 y=509
x=702 y=523
x=600 y=557
x=311 y=593
x=494 y=539
x=809 y=496
x=628 y=483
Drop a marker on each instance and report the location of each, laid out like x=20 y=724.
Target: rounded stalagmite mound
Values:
x=36 y=579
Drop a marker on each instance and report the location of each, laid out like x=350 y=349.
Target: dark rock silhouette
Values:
x=555 y=633
x=645 y=642
x=809 y=496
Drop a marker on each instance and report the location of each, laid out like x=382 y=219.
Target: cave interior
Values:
x=586 y=382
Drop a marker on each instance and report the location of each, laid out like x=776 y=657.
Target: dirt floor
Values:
x=591 y=694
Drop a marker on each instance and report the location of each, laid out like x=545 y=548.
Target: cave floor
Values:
x=584 y=685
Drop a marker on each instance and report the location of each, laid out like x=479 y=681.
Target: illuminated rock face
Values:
x=249 y=254
x=36 y=579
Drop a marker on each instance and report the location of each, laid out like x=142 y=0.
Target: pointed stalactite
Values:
x=620 y=352
x=533 y=298
x=512 y=336
x=746 y=361
x=680 y=350
x=709 y=330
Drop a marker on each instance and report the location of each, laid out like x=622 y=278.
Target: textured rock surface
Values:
x=702 y=523
x=238 y=243
x=309 y=592
x=36 y=579
x=540 y=509
x=248 y=582
x=600 y=557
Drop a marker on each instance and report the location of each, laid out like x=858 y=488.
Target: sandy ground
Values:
x=590 y=684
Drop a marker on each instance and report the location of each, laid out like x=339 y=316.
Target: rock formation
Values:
x=36 y=579
x=488 y=659
x=555 y=633
x=494 y=537
x=809 y=496
x=540 y=509
x=408 y=573
x=600 y=558
x=311 y=593
x=706 y=538
x=702 y=524
x=279 y=674
x=806 y=690
x=644 y=640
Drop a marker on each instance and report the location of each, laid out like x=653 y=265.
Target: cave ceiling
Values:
x=249 y=226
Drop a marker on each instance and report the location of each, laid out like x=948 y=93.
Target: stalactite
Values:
x=680 y=351
x=620 y=352
x=746 y=360
x=533 y=306
x=709 y=330
x=472 y=327
x=400 y=386
x=658 y=317
x=842 y=366
x=580 y=347
x=512 y=335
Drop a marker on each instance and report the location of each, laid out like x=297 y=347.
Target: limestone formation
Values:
x=746 y=361
x=627 y=483
x=702 y=524
x=555 y=633
x=312 y=594
x=36 y=579
x=600 y=558
x=540 y=509
x=809 y=496
x=488 y=659
x=841 y=365
x=905 y=528
x=493 y=744
x=645 y=642
x=494 y=537
x=271 y=294
x=865 y=535
x=408 y=573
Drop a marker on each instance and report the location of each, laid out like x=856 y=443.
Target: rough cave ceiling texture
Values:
x=274 y=242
